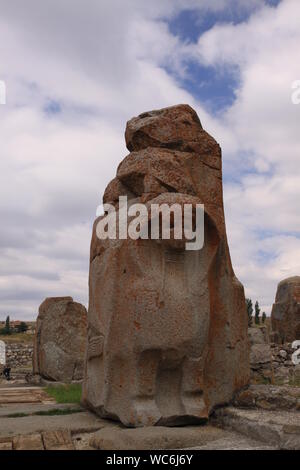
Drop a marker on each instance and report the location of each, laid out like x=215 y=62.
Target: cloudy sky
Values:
x=75 y=72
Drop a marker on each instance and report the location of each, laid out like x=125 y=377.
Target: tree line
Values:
x=257 y=318
x=8 y=329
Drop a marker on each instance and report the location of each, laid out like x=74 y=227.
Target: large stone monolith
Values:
x=167 y=327
x=285 y=315
x=60 y=340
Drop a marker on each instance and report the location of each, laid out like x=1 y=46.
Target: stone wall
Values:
x=19 y=355
x=285 y=372
x=270 y=362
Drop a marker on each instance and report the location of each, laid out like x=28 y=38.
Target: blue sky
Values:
x=214 y=87
x=85 y=71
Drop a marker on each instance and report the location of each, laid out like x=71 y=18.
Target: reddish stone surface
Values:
x=60 y=339
x=285 y=315
x=167 y=327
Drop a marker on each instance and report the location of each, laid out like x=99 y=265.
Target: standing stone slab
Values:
x=167 y=327
x=2 y=353
x=285 y=315
x=60 y=340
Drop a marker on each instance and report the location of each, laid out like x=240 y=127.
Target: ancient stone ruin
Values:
x=260 y=355
x=285 y=316
x=60 y=340
x=167 y=327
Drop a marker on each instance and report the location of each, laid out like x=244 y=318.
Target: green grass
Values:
x=16 y=415
x=70 y=393
x=58 y=412
x=53 y=412
x=23 y=338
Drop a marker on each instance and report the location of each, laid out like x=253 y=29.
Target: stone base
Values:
x=278 y=428
x=158 y=438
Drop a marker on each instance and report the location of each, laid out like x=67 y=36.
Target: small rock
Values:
x=283 y=354
x=260 y=354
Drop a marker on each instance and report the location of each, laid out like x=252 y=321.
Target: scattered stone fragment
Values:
x=283 y=353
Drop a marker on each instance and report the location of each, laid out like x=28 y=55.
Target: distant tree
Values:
x=7 y=329
x=249 y=307
x=257 y=313
x=263 y=318
x=22 y=327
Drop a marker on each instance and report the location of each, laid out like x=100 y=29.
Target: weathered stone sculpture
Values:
x=60 y=340
x=285 y=315
x=167 y=327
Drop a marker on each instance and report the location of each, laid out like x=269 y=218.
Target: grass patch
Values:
x=23 y=338
x=58 y=412
x=70 y=393
x=16 y=415
x=53 y=412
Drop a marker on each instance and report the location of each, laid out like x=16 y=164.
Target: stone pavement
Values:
x=48 y=440
x=76 y=422
x=24 y=395
x=85 y=431
x=276 y=428
x=230 y=428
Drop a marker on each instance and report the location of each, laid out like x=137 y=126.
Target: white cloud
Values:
x=103 y=62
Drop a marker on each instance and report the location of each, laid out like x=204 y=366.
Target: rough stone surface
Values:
x=258 y=335
x=278 y=428
x=168 y=340
x=12 y=395
x=268 y=397
x=58 y=440
x=60 y=339
x=234 y=441
x=6 y=445
x=260 y=355
x=76 y=422
x=285 y=315
x=19 y=355
x=28 y=442
x=158 y=437
x=285 y=372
